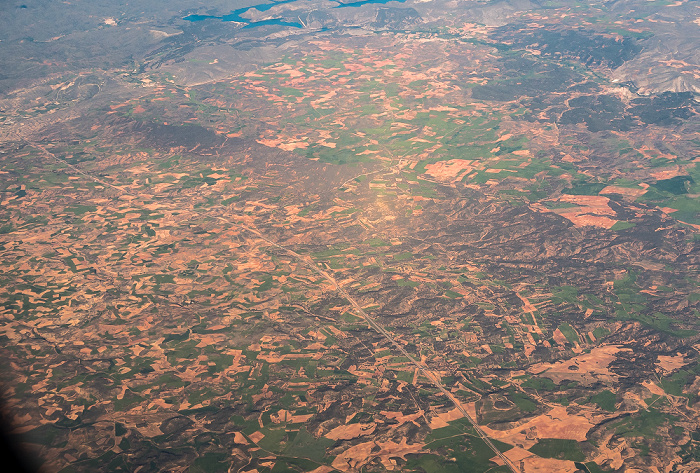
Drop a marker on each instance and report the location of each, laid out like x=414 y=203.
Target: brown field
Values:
x=355 y=457
x=350 y=431
x=669 y=364
x=530 y=463
x=587 y=368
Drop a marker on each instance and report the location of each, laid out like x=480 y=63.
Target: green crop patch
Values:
x=305 y=445
x=81 y=209
x=605 y=400
x=187 y=255
x=644 y=423
x=558 y=448
x=524 y=402
x=621 y=225
x=211 y=462
x=569 y=332
x=675 y=383
x=540 y=384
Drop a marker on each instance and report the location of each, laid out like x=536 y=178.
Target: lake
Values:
x=235 y=15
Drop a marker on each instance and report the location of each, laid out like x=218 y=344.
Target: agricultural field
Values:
x=392 y=241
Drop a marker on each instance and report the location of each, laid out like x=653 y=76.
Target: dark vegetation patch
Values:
x=188 y=136
x=525 y=77
x=608 y=112
x=668 y=108
x=592 y=49
x=676 y=185
x=691 y=450
x=584 y=87
x=598 y=112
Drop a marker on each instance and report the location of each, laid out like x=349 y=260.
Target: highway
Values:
x=422 y=367
x=312 y=265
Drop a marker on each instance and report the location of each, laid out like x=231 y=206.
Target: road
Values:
x=311 y=264
x=75 y=169
x=422 y=367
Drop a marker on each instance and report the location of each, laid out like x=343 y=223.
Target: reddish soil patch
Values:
x=592 y=210
x=671 y=363
x=587 y=368
x=355 y=457
x=449 y=171
x=351 y=431
x=624 y=191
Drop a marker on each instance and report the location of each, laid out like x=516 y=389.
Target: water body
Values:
x=273 y=21
x=235 y=15
x=366 y=2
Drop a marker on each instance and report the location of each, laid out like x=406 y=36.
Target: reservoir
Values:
x=235 y=15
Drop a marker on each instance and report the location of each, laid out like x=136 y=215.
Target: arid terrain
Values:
x=322 y=236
